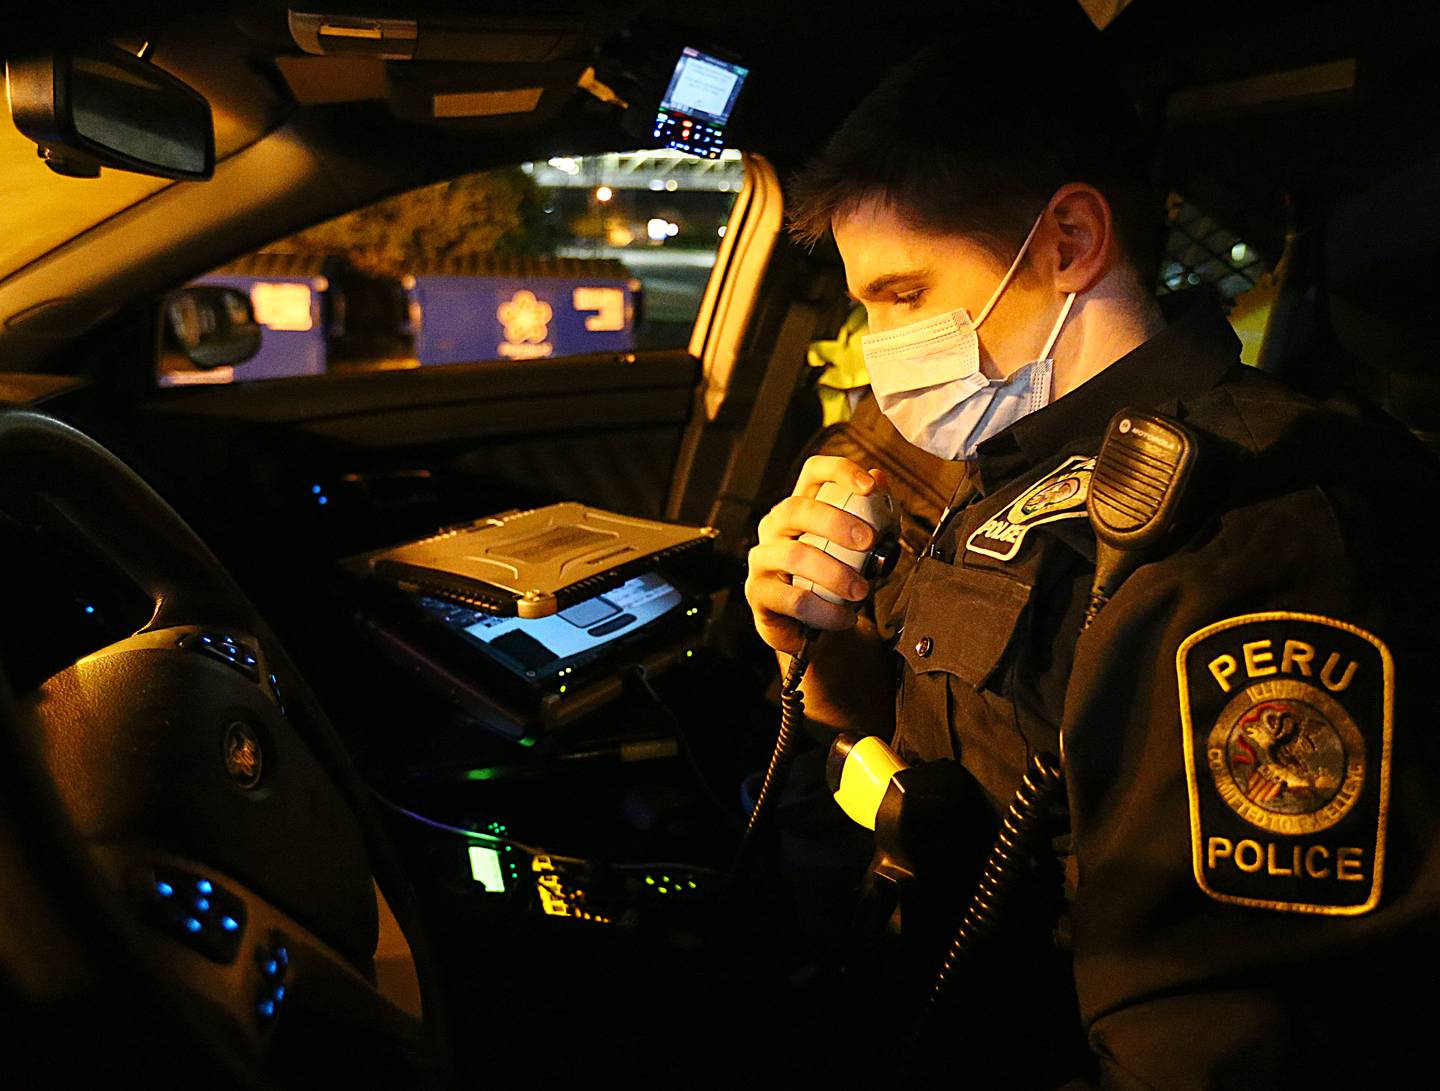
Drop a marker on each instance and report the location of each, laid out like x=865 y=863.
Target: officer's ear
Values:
x=1084 y=247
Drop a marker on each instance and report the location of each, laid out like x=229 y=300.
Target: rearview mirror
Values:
x=105 y=108
x=210 y=326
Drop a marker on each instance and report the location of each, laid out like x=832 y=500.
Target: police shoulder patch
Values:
x=1286 y=730
x=1060 y=494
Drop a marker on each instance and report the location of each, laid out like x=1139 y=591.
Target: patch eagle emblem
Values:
x=1060 y=494
x=1286 y=722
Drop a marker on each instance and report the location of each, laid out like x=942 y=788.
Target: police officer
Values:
x=1247 y=727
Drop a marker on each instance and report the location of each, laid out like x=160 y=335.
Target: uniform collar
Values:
x=1186 y=358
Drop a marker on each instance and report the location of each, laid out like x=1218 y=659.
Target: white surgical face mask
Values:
x=927 y=379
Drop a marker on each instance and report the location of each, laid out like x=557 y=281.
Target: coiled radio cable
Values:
x=792 y=723
x=1020 y=832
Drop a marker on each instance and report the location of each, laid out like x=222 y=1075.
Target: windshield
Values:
x=40 y=210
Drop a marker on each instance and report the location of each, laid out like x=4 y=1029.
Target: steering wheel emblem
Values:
x=242 y=755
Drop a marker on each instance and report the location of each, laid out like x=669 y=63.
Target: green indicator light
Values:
x=690 y=883
x=689 y=654
x=662 y=890
x=649 y=880
x=526 y=740
x=563 y=688
x=484 y=774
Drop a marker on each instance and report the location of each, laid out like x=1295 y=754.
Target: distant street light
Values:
x=603 y=194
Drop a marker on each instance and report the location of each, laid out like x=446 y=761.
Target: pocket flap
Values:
x=960 y=620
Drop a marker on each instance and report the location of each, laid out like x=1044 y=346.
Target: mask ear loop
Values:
x=1010 y=273
x=1045 y=367
x=1005 y=283
x=1055 y=330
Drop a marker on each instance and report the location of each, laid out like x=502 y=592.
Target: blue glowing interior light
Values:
x=266 y=1008
x=279 y=993
x=192 y=925
x=206 y=640
x=164 y=889
x=89 y=609
x=202 y=905
x=322 y=500
x=316 y=490
x=203 y=886
x=272 y=968
x=283 y=956
x=229 y=923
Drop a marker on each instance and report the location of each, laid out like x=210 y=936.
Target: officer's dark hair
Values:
x=972 y=137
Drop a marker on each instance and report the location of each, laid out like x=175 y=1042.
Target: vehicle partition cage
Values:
x=1200 y=250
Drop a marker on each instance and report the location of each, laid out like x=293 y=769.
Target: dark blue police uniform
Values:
x=1252 y=866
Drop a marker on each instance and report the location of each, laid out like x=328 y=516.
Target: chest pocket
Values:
x=961 y=620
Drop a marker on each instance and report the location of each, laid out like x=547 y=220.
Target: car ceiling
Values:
x=809 y=65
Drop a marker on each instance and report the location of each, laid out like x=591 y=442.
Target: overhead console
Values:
x=474 y=39
x=496 y=73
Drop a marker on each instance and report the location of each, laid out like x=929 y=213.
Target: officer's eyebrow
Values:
x=886 y=282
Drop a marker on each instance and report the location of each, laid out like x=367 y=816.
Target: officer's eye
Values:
x=910 y=300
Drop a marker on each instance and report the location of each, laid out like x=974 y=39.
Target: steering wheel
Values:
x=188 y=816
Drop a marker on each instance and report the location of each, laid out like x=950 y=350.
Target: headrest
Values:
x=1381 y=251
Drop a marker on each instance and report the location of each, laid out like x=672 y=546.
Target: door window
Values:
x=600 y=254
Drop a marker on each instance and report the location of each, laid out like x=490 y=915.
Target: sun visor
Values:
x=320 y=81
x=423 y=91
x=480 y=72
x=417 y=91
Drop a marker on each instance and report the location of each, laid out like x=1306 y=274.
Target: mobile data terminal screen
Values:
x=698 y=103
x=536 y=649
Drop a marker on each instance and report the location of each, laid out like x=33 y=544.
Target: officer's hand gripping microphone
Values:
x=877 y=562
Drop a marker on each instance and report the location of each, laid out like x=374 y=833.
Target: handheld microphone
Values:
x=878 y=561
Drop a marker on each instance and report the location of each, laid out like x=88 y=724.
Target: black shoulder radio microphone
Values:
x=1144 y=467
